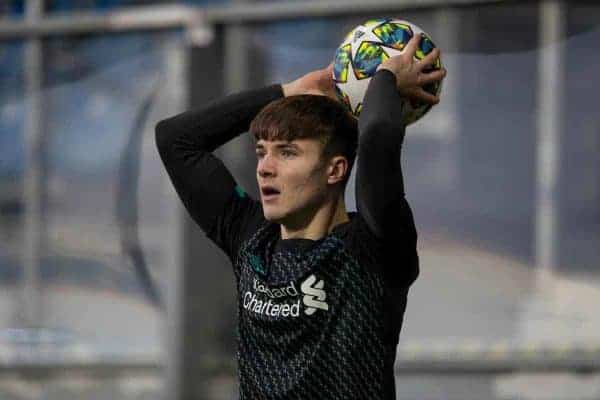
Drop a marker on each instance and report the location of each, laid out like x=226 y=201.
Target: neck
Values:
x=318 y=223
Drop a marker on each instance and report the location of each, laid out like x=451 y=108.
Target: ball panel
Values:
x=393 y=34
x=374 y=22
x=425 y=47
x=368 y=57
x=343 y=97
x=341 y=65
x=358 y=109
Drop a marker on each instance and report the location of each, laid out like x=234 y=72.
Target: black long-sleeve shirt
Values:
x=316 y=318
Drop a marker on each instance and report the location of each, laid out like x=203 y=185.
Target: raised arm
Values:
x=379 y=183
x=205 y=186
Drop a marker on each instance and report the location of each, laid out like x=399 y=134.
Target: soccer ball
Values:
x=367 y=46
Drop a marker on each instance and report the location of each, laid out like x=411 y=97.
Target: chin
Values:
x=274 y=215
x=271 y=215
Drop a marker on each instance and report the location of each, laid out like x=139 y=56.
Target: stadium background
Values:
x=108 y=290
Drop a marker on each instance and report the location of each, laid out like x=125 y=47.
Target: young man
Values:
x=321 y=291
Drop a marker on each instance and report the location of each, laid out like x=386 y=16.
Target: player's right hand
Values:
x=319 y=82
x=412 y=74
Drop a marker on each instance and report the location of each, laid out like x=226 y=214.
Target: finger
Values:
x=422 y=95
x=413 y=45
x=430 y=77
x=429 y=59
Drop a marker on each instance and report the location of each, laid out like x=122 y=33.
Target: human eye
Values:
x=287 y=153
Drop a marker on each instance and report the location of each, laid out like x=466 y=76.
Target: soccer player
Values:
x=321 y=291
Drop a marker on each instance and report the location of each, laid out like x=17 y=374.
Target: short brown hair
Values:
x=310 y=116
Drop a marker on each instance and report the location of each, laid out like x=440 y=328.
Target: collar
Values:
x=304 y=244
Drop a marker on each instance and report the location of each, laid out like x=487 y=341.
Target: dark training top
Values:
x=317 y=319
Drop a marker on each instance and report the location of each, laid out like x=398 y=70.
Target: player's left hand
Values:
x=412 y=75
x=319 y=82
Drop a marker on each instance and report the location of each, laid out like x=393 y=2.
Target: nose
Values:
x=266 y=166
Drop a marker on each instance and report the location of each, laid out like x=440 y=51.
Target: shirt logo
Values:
x=314 y=295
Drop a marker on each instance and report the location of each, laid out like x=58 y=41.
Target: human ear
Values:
x=338 y=167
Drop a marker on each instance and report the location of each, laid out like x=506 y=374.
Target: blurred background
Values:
x=109 y=291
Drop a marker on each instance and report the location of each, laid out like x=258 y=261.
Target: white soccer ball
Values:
x=368 y=45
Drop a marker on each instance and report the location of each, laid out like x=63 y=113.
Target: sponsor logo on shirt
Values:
x=314 y=295
x=314 y=298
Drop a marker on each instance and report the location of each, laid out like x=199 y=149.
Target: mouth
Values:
x=269 y=192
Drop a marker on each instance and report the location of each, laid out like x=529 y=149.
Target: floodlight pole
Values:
x=447 y=25
x=236 y=78
x=34 y=187
x=174 y=326
x=550 y=123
